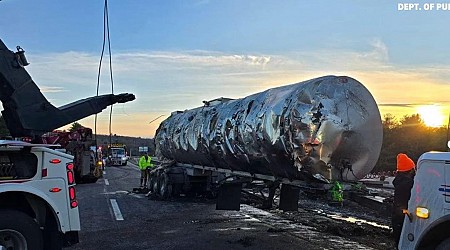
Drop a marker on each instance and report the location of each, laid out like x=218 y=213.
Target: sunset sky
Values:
x=174 y=54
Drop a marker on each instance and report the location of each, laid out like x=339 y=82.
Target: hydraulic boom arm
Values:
x=27 y=112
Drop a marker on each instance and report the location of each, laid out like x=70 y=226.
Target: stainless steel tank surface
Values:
x=327 y=128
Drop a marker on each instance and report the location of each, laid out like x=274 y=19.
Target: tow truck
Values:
x=80 y=144
x=38 y=205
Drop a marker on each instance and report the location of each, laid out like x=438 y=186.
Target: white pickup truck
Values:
x=427 y=221
x=117 y=157
x=38 y=206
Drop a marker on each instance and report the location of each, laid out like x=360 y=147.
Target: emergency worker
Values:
x=145 y=162
x=403 y=183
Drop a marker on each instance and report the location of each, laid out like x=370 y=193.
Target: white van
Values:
x=427 y=221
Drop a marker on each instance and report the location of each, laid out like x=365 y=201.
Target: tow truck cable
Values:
x=106 y=37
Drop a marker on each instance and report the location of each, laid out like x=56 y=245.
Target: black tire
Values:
x=154 y=184
x=18 y=228
x=90 y=178
x=151 y=182
x=165 y=187
x=78 y=178
x=444 y=245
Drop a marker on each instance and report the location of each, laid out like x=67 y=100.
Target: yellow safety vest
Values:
x=145 y=163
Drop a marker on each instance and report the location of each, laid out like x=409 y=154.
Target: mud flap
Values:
x=229 y=196
x=289 y=197
x=70 y=238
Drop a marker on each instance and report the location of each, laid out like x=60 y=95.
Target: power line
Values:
x=156 y=118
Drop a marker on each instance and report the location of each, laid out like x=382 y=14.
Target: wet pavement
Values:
x=112 y=217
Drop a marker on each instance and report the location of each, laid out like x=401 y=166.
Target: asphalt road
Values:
x=112 y=217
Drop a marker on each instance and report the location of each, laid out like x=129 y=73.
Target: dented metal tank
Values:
x=328 y=128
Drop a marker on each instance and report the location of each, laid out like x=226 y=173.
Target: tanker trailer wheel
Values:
x=153 y=183
x=19 y=231
x=165 y=187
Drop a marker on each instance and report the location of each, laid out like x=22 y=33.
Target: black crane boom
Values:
x=26 y=110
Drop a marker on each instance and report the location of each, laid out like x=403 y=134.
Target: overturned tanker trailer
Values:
x=316 y=131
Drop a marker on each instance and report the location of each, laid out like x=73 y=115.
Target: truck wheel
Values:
x=78 y=178
x=445 y=244
x=165 y=187
x=153 y=183
x=89 y=178
x=19 y=231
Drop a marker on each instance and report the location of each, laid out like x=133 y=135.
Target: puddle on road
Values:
x=351 y=219
x=297 y=229
x=234 y=229
x=171 y=231
x=139 y=196
x=191 y=222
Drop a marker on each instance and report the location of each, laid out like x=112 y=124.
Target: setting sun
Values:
x=432 y=115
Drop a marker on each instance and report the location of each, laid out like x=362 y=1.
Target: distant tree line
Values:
x=409 y=135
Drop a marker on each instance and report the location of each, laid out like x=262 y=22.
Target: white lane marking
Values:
x=106 y=182
x=116 y=209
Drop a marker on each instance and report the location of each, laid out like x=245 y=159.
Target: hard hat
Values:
x=404 y=163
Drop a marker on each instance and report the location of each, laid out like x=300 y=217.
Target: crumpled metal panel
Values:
x=328 y=128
